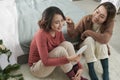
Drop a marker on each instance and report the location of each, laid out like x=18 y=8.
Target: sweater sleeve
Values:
x=41 y=42
x=75 y=29
x=104 y=37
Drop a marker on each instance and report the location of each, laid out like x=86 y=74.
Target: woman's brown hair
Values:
x=111 y=11
x=47 y=16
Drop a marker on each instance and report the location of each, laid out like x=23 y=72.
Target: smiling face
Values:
x=99 y=15
x=57 y=22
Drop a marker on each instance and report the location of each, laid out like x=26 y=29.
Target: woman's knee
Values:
x=58 y=52
x=62 y=51
x=66 y=43
x=89 y=39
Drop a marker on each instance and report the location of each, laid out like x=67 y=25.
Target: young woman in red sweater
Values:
x=95 y=30
x=49 y=49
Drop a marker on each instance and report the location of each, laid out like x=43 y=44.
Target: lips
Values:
x=95 y=20
x=60 y=28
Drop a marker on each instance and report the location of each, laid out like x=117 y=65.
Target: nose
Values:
x=97 y=16
x=61 y=23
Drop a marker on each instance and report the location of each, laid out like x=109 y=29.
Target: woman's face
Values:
x=57 y=22
x=99 y=15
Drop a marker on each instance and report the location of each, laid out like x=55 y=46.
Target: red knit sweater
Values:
x=42 y=44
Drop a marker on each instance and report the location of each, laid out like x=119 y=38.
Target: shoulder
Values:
x=108 y=27
x=41 y=34
x=109 y=24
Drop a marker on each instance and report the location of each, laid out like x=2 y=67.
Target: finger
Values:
x=76 y=74
x=73 y=78
x=77 y=78
x=68 y=21
x=79 y=55
x=67 y=18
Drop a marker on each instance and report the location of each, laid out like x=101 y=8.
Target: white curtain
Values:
x=9 y=27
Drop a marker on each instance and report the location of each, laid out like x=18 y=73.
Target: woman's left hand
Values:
x=78 y=75
x=85 y=34
x=69 y=20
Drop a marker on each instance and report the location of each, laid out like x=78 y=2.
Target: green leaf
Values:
x=16 y=75
x=1 y=42
x=21 y=78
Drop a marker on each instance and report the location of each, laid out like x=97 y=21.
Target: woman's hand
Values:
x=70 y=27
x=78 y=75
x=74 y=58
x=69 y=20
x=70 y=23
x=85 y=34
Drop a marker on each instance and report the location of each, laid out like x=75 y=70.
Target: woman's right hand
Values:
x=69 y=20
x=78 y=75
x=74 y=58
x=70 y=25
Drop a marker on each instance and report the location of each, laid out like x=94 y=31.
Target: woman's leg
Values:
x=92 y=73
x=70 y=51
x=38 y=69
x=101 y=51
x=76 y=66
x=105 y=67
x=89 y=53
x=68 y=47
x=90 y=56
x=102 y=54
x=67 y=68
x=61 y=52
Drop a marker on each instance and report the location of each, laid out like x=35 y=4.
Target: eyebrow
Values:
x=100 y=13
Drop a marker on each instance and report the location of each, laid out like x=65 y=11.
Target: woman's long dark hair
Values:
x=111 y=11
x=47 y=16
